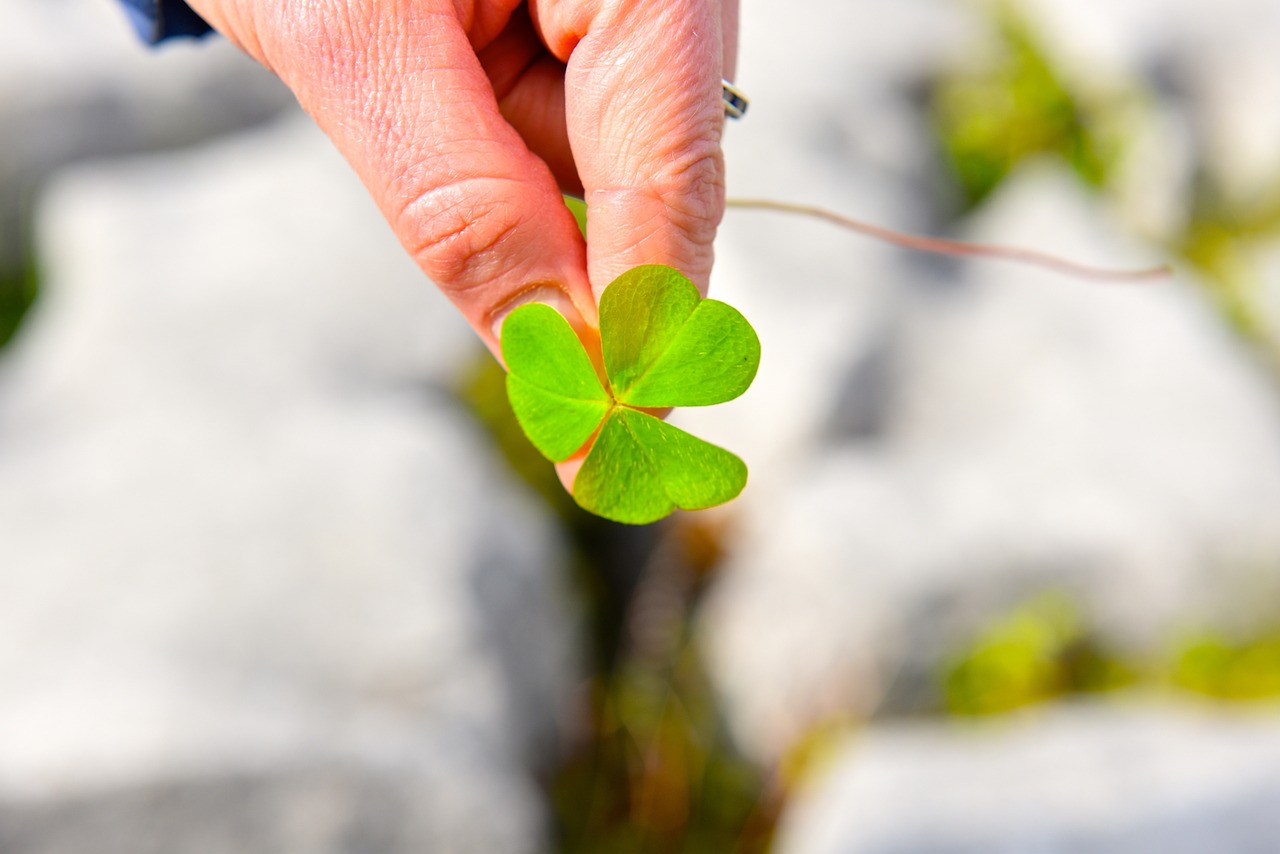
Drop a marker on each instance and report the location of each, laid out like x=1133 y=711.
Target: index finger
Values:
x=399 y=89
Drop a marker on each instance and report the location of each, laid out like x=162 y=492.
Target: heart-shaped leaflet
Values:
x=663 y=345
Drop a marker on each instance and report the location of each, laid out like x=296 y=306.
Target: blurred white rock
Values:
x=75 y=78
x=1267 y=299
x=1113 y=441
x=271 y=242
x=834 y=97
x=75 y=82
x=446 y=804
x=1139 y=779
x=1213 y=63
x=247 y=532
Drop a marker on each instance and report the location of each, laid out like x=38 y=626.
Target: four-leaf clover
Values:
x=663 y=346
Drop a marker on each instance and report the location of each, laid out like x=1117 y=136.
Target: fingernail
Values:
x=551 y=295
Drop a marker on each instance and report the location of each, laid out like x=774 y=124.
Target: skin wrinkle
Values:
x=690 y=202
x=303 y=42
x=455 y=222
x=687 y=178
x=425 y=173
x=423 y=162
x=333 y=39
x=449 y=227
x=620 y=57
x=477 y=254
x=248 y=40
x=621 y=127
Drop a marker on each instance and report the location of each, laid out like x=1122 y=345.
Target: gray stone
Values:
x=1135 y=779
x=446 y=804
x=75 y=82
x=1114 y=442
x=251 y=543
x=1212 y=70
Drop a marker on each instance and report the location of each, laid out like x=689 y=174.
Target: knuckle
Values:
x=458 y=230
x=691 y=187
x=683 y=200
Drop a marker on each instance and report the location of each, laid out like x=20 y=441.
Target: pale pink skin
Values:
x=466 y=118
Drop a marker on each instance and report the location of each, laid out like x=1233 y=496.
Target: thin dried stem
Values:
x=943 y=246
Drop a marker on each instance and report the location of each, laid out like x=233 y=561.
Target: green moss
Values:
x=1215 y=666
x=1219 y=242
x=1038 y=651
x=1015 y=107
x=18 y=288
x=659 y=773
x=1041 y=650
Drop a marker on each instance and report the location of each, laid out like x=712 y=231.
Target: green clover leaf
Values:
x=663 y=346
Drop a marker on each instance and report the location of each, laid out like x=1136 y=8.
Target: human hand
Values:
x=466 y=118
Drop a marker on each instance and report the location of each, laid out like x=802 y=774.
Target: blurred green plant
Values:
x=659 y=772
x=1040 y=650
x=19 y=284
x=1015 y=106
x=600 y=549
x=1226 y=669
x=989 y=118
x=1219 y=240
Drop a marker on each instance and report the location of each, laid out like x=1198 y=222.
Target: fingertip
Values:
x=580 y=313
x=568 y=470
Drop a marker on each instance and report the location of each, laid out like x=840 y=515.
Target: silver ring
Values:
x=735 y=103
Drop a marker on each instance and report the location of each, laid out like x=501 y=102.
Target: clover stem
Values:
x=943 y=246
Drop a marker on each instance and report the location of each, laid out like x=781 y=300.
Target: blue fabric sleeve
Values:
x=157 y=20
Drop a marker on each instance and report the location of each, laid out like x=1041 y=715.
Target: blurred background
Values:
x=278 y=573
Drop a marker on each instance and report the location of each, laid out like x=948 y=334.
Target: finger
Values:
x=644 y=116
x=529 y=85
x=567 y=471
x=399 y=89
